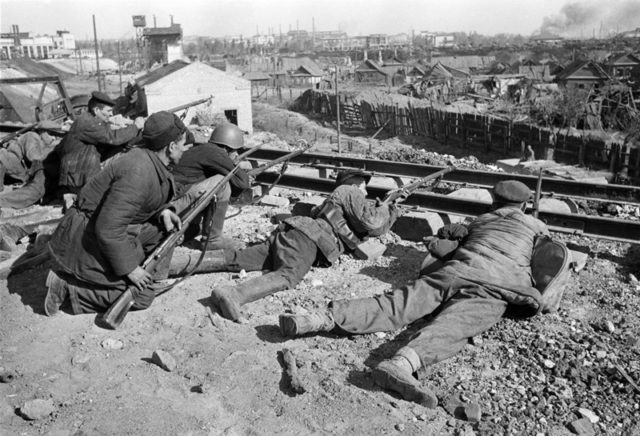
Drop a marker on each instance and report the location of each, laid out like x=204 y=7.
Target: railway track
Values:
x=578 y=224
x=550 y=186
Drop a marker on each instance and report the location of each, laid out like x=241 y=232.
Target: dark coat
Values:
x=83 y=147
x=98 y=241
x=206 y=160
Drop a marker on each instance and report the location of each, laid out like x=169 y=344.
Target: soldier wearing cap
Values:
x=344 y=220
x=90 y=141
x=471 y=289
x=119 y=218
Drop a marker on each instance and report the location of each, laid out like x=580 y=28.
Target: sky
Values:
x=356 y=17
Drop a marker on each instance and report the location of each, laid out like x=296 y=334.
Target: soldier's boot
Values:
x=396 y=374
x=298 y=325
x=216 y=240
x=229 y=299
x=57 y=292
x=182 y=263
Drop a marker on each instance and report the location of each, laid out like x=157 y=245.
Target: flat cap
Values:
x=345 y=175
x=511 y=191
x=103 y=98
x=161 y=128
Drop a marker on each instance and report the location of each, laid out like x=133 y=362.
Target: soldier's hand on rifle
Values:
x=140 y=278
x=139 y=122
x=170 y=220
x=404 y=194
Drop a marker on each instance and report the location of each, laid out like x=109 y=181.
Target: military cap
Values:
x=345 y=175
x=161 y=128
x=103 y=98
x=511 y=191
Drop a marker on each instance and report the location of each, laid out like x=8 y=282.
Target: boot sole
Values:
x=410 y=390
x=52 y=301
x=288 y=325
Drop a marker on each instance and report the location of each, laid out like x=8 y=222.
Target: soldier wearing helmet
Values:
x=204 y=161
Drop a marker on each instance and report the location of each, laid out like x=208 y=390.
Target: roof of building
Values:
x=623 y=59
x=443 y=71
x=306 y=70
x=174 y=29
x=159 y=73
x=254 y=76
x=369 y=65
x=583 y=69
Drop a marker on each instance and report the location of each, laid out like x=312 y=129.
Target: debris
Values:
x=164 y=360
x=624 y=374
x=112 y=344
x=400 y=427
x=472 y=412
x=271 y=200
x=37 y=409
x=316 y=283
x=591 y=416
x=608 y=325
x=581 y=427
x=291 y=369
x=548 y=364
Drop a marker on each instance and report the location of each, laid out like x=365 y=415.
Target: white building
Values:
x=180 y=83
x=23 y=44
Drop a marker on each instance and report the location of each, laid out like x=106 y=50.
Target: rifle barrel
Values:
x=188 y=105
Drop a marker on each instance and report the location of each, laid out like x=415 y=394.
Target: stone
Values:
x=548 y=363
x=591 y=416
x=400 y=427
x=164 y=360
x=578 y=260
x=272 y=200
x=37 y=409
x=608 y=325
x=581 y=427
x=416 y=225
x=370 y=249
x=473 y=412
x=112 y=344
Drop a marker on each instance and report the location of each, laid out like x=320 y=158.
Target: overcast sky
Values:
x=356 y=17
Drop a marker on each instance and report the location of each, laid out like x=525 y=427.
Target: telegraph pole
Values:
x=120 y=67
x=338 y=111
x=95 y=44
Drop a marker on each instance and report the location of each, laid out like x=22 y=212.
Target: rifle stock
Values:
x=114 y=316
x=413 y=186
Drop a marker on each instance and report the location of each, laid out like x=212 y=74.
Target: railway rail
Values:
x=578 y=224
x=550 y=186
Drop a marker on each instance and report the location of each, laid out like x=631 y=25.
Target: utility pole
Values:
x=95 y=44
x=120 y=67
x=338 y=111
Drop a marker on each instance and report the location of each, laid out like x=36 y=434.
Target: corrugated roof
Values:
x=174 y=29
x=159 y=73
x=369 y=65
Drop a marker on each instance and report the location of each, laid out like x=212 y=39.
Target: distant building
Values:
x=370 y=72
x=16 y=44
x=438 y=40
x=584 y=74
x=620 y=65
x=163 y=44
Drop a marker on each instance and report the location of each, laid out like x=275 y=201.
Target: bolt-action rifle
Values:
x=404 y=191
x=118 y=310
x=285 y=158
x=536 y=197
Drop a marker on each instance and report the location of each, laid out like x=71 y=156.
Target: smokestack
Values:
x=171 y=19
x=154 y=21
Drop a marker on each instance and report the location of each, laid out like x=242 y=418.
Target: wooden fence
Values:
x=479 y=133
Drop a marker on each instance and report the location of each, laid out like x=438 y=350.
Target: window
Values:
x=232 y=116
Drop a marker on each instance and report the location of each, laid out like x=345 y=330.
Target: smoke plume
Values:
x=589 y=18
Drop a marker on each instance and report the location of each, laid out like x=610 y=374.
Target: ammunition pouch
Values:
x=332 y=214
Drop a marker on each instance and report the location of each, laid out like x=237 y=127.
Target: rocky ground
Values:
x=576 y=370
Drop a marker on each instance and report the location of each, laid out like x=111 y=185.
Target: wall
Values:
x=197 y=81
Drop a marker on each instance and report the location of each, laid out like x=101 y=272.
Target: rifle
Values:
x=536 y=198
x=287 y=157
x=188 y=105
x=114 y=316
x=406 y=190
x=17 y=133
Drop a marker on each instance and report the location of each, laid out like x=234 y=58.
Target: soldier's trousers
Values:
x=288 y=252
x=459 y=314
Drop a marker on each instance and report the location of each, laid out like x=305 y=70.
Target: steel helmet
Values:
x=228 y=135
